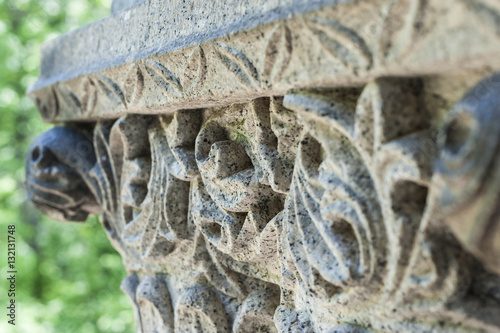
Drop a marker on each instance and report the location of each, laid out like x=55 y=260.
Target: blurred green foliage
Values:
x=68 y=274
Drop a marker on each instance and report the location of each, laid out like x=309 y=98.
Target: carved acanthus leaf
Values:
x=349 y=201
x=163 y=78
x=342 y=43
x=195 y=72
x=277 y=54
x=238 y=64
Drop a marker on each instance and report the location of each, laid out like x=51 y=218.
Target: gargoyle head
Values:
x=57 y=174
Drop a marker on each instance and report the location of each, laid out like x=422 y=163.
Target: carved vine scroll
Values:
x=323 y=210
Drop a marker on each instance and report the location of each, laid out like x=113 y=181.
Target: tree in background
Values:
x=68 y=274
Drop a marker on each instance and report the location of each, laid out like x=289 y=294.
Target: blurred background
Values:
x=68 y=276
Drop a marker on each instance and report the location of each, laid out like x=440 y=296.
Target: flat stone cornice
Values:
x=129 y=63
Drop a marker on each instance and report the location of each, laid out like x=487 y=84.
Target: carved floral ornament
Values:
x=340 y=210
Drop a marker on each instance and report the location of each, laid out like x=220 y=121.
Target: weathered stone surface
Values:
x=293 y=182
x=154 y=59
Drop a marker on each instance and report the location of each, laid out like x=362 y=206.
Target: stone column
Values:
x=284 y=166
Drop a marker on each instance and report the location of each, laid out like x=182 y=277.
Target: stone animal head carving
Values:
x=468 y=171
x=57 y=174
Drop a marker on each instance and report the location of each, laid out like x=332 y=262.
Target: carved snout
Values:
x=57 y=175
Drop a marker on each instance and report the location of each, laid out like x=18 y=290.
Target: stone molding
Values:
x=293 y=182
x=343 y=44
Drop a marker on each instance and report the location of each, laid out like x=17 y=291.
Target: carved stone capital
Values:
x=284 y=179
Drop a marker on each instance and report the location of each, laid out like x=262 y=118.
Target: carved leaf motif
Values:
x=391 y=128
x=275 y=161
x=238 y=64
x=89 y=98
x=168 y=195
x=288 y=319
x=151 y=302
x=105 y=172
x=401 y=28
x=337 y=207
x=163 y=78
x=135 y=176
x=237 y=207
x=244 y=236
x=110 y=89
x=207 y=258
x=134 y=84
x=339 y=219
x=153 y=299
x=237 y=147
x=360 y=197
x=196 y=70
x=48 y=103
x=155 y=215
x=383 y=112
x=128 y=287
x=257 y=311
x=123 y=173
x=342 y=43
x=226 y=160
x=219 y=227
x=69 y=99
x=200 y=309
x=181 y=134
x=277 y=55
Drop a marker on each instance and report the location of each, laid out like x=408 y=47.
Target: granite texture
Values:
x=153 y=59
x=331 y=171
